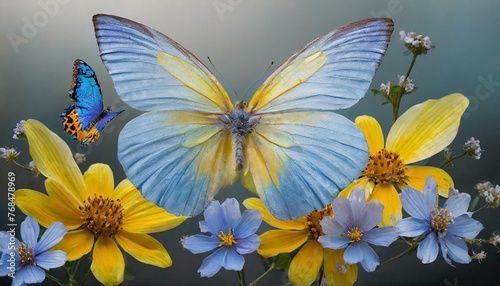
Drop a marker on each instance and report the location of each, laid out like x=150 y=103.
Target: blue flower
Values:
x=353 y=227
x=231 y=233
x=443 y=227
x=31 y=256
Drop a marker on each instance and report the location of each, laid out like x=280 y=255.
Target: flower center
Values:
x=226 y=240
x=101 y=215
x=313 y=219
x=26 y=254
x=386 y=167
x=441 y=219
x=355 y=234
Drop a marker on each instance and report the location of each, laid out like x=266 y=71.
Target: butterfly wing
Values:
x=86 y=92
x=301 y=154
x=179 y=153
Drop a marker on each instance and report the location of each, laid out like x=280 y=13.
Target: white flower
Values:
x=19 y=130
x=473 y=148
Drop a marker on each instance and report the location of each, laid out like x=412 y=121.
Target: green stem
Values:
x=449 y=160
x=481 y=208
x=264 y=275
x=396 y=257
x=55 y=279
x=397 y=102
x=241 y=277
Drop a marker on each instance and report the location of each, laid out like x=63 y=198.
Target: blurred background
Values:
x=41 y=39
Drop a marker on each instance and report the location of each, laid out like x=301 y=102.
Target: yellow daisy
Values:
x=97 y=214
x=422 y=131
x=303 y=233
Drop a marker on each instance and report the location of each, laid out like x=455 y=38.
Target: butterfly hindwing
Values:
x=85 y=119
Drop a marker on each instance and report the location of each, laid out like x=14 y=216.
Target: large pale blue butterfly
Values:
x=287 y=142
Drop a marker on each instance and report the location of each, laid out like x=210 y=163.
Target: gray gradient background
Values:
x=34 y=83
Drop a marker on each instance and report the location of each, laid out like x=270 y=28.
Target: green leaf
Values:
x=282 y=261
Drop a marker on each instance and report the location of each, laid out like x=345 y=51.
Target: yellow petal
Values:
x=305 y=265
x=257 y=204
x=337 y=272
x=99 y=180
x=76 y=243
x=362 y=183
x=276 y=241
x=46 y=210
x=144 y=248
x=387 y=195
x=140 y=215
x=59 y=193
x=108 y=265
x=373 y=133
x=427 y=128
x=53 y=158
x=418 y=175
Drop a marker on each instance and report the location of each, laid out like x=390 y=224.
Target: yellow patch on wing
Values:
x=196 y=79
x=73 y=126
x=289 y=77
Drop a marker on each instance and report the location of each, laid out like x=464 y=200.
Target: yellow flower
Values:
x=303 y=233
x=422 y=131
x=96 y=213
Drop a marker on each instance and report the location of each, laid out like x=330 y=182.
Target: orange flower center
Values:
x=355 y=234
x=441 y=219
x=313 y=219
x=386 y=167
x=26 y=255
x=226 y=240
x=101 y=215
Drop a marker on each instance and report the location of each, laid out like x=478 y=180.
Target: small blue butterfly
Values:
x=86 y=117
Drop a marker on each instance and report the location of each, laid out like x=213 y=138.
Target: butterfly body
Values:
x=287 y=144
x=85 y=119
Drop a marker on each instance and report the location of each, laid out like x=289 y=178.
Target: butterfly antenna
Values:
x=212 y=64
x=260 y=78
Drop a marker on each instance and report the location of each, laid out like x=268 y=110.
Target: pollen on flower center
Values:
x=226 y=240
x=26 y=254
x=101 y=215
x=313 y=219
x=386 y=167
x=355 y=234
x=441 y=219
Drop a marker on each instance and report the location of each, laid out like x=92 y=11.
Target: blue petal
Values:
x=215 y=218
x=412 y=227
x=457 y=205
x=343 y=212
x=200 y=243
x=415 y=204
x=370 y=258
x=382 y=236
x=354 y=252
x=248 y=244
x=371 y=217
x=203 y=226
x=248 y=224
x=225 y=257
x=457 y=249
x=30 y=231
x=334 y=241
x=444 y=251
x=30 y=274
x=232 y=260
x=331 y=226
x=358 y=205
x=430 y=192
x=464 y=226
x=428 y=249
x=232 y=212
x=52 y=236
x=51 y=259
x=5 y=239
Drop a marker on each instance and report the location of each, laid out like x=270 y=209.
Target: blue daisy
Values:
x=443 y=227
x=232 y=234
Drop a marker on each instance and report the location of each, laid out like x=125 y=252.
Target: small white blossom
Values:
x=417 y=44
x=473 y=148
x=80 y=158
x=408 y=85
x=479 y=256
x=385 y=88
x=19 y=130
x=490 y=194
x=9 y=154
